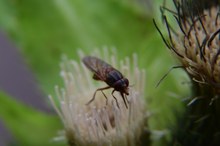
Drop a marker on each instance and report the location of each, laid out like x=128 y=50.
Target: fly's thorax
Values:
x=112 y=77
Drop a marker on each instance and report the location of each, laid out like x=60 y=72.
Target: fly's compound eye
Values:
x=126 y=82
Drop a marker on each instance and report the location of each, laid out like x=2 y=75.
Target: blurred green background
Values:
x=44 y=30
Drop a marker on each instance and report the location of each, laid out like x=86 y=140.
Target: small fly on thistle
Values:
x=111 y=76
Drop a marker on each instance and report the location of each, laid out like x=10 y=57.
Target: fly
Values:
x=111 y=76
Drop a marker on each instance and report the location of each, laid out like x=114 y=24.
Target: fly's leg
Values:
x=100 y=89
x=127 y=99
x=115 y=98
x=123 y=97
x=105 y=96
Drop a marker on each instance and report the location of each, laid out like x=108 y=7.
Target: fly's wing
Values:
x=98 y=67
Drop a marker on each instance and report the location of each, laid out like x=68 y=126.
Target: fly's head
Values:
x=122 y=86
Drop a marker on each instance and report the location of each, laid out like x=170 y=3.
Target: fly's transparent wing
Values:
x=99 y=67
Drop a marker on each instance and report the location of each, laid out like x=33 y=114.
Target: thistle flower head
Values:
x=100 y=124
x=196 y=42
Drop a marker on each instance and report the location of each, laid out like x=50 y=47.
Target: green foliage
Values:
x=28 y=126
x=43 y=30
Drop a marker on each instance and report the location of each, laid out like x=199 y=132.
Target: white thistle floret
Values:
x=98 y=124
